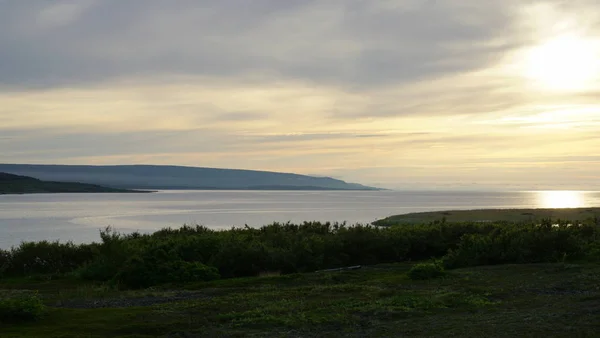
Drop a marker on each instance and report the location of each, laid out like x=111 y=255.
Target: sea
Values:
x=80 y=217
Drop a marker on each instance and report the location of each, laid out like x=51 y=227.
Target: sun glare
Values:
x=564 y=63
x=560 y=199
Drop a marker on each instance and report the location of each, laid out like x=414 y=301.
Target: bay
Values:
x=79 y=217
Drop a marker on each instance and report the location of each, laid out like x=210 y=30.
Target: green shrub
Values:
x=110 y=255
x=138 y=273
x=593 y=251
x=523 y=244
x=102 y=269
x=291 y=248
x=4 y=261
x=44 y=258
x=240 y=255
x=423 y=271
x=23 y=307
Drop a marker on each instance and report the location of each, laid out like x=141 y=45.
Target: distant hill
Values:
x=16 y=184
x=177 y=177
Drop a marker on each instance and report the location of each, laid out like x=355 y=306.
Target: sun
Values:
x=564 y=63
x=560 y=199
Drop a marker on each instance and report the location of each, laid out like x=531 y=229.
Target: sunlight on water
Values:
x=560 y=199
x=78 y=217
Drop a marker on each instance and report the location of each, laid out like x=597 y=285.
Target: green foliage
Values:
x=22 y=307
x=371 y=302
x=423 y=271
x=593 y=251
x=198 y=253
x=139 y=273
x=5 y=257
x=525 y=244
x=44 y=258
x=109 y=256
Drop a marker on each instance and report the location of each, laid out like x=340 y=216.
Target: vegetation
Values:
x=469 y=278
x=21 y=307
x=425 y=271
x=15 y=184
x=554 y=300
x=492 y=215
x=197 y=253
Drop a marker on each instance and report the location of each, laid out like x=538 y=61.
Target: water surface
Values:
x=78 y=217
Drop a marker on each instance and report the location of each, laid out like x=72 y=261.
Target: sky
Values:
x=407 y=94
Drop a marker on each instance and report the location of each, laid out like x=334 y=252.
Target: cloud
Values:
x=346 y=43
x=62 y=13
x=398 y=93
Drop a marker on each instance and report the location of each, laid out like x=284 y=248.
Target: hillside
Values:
x=15 y=184
x=177 y=177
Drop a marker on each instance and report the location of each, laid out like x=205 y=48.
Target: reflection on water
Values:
x=78 y=217
x=561 y=199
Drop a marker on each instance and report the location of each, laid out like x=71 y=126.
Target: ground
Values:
x=493 y=215
x=552 y=300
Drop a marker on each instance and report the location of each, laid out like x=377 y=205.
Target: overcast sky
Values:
x=398 y=94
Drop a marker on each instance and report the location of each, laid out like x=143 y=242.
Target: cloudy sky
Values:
x=399 y=94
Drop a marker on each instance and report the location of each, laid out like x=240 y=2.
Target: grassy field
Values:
x=493 y=215
x=553 y=300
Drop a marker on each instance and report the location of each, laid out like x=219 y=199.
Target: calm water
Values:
x=78 y=217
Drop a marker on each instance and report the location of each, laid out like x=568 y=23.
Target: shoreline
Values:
x=492 y=215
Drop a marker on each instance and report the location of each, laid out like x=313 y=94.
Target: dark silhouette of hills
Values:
x=178 y=177
x=16 y=184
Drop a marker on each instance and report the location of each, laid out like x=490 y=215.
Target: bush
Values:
x=109 y=256
x=593 y=251
x=44 y=258
x=24 y=307
x=4 y=261
x=138 y=260
x=425 y=271
x=240 y=255
x=138 y=273
x=523 y=244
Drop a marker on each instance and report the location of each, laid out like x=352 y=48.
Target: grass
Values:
x=554 y=300
x=492 y=215
x=21 y=307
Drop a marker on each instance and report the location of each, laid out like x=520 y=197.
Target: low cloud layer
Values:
x=394 y=93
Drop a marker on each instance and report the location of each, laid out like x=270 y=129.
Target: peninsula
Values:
x=162 y=177
x=16 y=184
